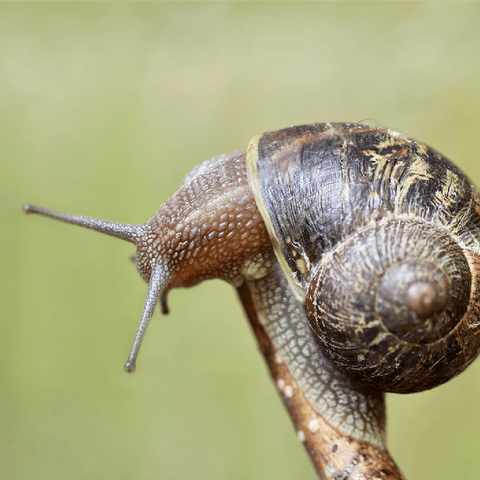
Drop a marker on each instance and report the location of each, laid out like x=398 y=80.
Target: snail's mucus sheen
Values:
x=380 y=243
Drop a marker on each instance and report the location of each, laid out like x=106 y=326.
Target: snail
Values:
x=355 y=247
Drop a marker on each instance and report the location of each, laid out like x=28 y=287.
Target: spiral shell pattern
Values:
x=391 y=305
x=379 y=236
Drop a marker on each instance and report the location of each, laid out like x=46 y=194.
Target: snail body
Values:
x=358 y=246
x=210 y=228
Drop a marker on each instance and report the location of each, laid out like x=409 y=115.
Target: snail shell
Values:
x=379 y=237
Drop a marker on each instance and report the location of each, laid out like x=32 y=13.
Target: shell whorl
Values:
x=390 y=305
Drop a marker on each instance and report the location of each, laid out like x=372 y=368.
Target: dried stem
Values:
x=334 y=455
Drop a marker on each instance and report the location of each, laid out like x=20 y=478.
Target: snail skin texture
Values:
x=359 y=247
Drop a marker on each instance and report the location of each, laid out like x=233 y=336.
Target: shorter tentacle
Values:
x=156 y=288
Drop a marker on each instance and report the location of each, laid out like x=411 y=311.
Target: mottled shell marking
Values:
x=324 y=187
x=317 y=184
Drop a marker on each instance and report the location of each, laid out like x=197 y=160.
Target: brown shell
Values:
x=382 y=235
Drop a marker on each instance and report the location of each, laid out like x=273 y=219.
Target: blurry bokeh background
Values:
x=103 y=109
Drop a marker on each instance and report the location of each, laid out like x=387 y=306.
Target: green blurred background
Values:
x=103 y=109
